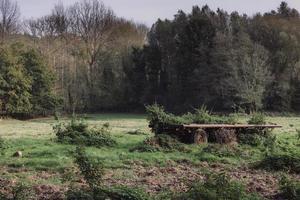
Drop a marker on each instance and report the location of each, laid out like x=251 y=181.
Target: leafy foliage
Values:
x=289 y=189
x=3 y=145
x=223 y=150
x=136 y=132
x=298 y=134
x=92 y=171
x=77 y=132
x=281 y=162
x=218 y=187
x=26 y=83
x=158 y=118
x=160 y=142
x=257 y=118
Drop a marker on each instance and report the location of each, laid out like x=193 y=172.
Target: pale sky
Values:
x=148 y=11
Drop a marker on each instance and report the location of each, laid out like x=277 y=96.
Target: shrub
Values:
x=289 y=189
x=223 y=150
x=145 y=147
x=160 y=142
x=257 y=118
x=250 y=139
x=3 y=146
x=91 y=170
x=298 y=134
x=121 y=193
x=255 y=136
x=218 y=187
x=104 y=193
x=281 y=162
x=77 y=132
x=203 y=116
x=93 y=173
x=223 y=136
x=158 y=118
x=137 y=132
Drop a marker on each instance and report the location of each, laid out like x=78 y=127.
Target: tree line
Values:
x=84 y=58
x=228 y=62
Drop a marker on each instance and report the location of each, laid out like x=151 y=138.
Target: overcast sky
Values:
x=148 y=11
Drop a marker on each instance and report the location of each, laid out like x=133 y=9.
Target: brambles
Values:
x=165 y=123
x=255 y=136
x=3 y=146
x=78 y=132
x=121 y=193
x=203 y=116
x=257 y=118
x=158 y=118
x=223 y=136
x=281 y=162
x=218 y=187
x=223 y=150
x=298 y=134
x=250 y=139
x=289 y=189
x=136 y=132
x=92 y=171
x=161 y=142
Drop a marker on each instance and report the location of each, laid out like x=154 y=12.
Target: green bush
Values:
x=121 y=193
x=257 y=118
x=223 y=150
x=298 y=134
x=136 y=132
x=91 y=170
x=93 y=173
x=105 y=193
x=3 y=146
x=250 y=139
x=160 y=142
x=218 y=187
x=77 y=132
x=256 y=137
x=281 y=162
x=289 y=189
x=158 y=118
x=203 y=116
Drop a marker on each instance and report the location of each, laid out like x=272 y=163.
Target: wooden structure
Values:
x=219 y=133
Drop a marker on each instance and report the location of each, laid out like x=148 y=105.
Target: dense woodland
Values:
x=83 y=58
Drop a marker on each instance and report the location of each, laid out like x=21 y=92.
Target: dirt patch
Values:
x=175 y=177
x=47 y=192
x=156 y=179
x=178 y=177
x=262 y=182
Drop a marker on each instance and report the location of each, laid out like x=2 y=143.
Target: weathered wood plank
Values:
x=229 y=126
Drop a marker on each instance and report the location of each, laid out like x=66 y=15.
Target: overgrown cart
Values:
x=218 y=133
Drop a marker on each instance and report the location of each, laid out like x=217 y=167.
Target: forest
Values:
x=84 y=58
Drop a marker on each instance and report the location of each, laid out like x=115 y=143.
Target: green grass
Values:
x=41 y=153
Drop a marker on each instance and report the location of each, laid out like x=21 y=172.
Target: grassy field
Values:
x=47 y=163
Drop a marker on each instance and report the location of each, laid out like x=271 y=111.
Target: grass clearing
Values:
x=44 y=161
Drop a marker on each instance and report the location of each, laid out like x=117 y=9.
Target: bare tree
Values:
x=9 y=18
x=93 y=22
x=54 y=25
